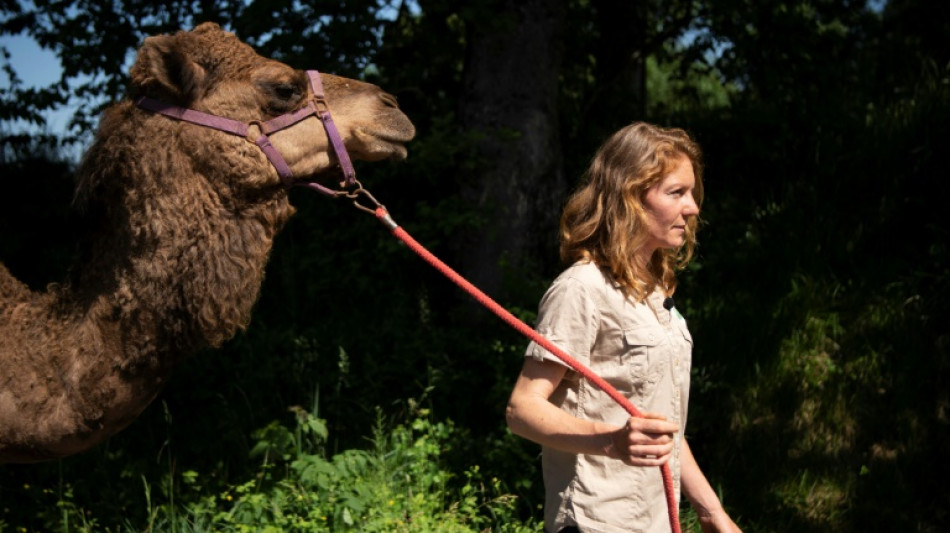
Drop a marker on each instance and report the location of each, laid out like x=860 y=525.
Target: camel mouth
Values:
x=377 y=145
x=398 y=153
x=367 y=144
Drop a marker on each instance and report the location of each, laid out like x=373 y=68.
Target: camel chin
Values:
x=329 y=177
x=379 y=146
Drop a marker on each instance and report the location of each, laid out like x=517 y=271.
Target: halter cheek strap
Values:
x=258 y=132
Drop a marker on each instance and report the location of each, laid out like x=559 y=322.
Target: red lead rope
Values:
x=529 y=332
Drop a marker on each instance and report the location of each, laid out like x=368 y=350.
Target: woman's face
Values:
x=668 y=205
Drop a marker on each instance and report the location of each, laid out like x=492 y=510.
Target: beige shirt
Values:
x=644 y=351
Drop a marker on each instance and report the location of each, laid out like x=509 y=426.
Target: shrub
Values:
x=396 y=485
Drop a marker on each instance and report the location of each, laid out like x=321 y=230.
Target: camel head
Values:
x=210 y=70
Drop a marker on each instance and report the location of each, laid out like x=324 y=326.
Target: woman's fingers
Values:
x=646 y=441
x=639 y=437
x=641 y=431
x=653 y=424
x=651 y=452
x=647 y=456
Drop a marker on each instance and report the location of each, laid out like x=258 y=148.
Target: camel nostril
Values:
x=388 y=99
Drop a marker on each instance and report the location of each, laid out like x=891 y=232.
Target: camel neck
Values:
x=186 y=270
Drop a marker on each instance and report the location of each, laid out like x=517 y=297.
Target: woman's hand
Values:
x=646 y=441
x=718 y=522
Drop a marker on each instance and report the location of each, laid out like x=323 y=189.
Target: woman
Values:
x=625 y=231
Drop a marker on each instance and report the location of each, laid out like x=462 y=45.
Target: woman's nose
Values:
x=690 y=207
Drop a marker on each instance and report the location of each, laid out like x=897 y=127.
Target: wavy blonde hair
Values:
x=605 y=221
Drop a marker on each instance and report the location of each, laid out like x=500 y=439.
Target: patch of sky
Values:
x=877 y=6
x=35 y=67
x=390 y=10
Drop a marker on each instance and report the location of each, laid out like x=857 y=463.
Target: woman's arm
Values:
x=712 y=517
x=644 y=441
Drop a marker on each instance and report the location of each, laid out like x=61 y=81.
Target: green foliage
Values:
x=821 y=325
x=397 y=485
x=673 y=95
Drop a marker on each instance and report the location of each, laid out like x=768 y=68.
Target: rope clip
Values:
x=359 y=193
x=375 y=208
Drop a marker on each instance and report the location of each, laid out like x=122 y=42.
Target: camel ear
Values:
x=163 y=68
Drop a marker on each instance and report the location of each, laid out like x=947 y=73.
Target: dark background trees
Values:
x=818 y=301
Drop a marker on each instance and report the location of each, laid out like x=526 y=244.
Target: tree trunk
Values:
x=509 y=104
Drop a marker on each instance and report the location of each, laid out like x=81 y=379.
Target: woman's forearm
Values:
x=712 y=517
x=639 y=442
x=695 y=486
x=533 y=417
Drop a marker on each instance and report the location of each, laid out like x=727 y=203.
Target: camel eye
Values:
x=281 y=97
x=286 y=91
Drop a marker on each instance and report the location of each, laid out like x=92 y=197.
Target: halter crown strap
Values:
x=316 y=106
x=201 y=118
x=332 y=133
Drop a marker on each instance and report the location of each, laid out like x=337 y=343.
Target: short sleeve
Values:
x=569 y=318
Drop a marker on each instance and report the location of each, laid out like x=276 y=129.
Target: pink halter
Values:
x=317 y=105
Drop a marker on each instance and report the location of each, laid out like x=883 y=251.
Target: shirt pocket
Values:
x=642 y=358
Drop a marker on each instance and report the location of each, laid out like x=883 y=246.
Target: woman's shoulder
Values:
x=585 y=272
x=583 y=277
x=577 y=291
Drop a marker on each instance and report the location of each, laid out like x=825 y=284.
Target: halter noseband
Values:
x=317 y=105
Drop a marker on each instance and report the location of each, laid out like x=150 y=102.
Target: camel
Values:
x=181 y=219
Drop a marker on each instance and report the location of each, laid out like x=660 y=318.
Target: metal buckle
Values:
x=254 y=124
x=320 y=105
